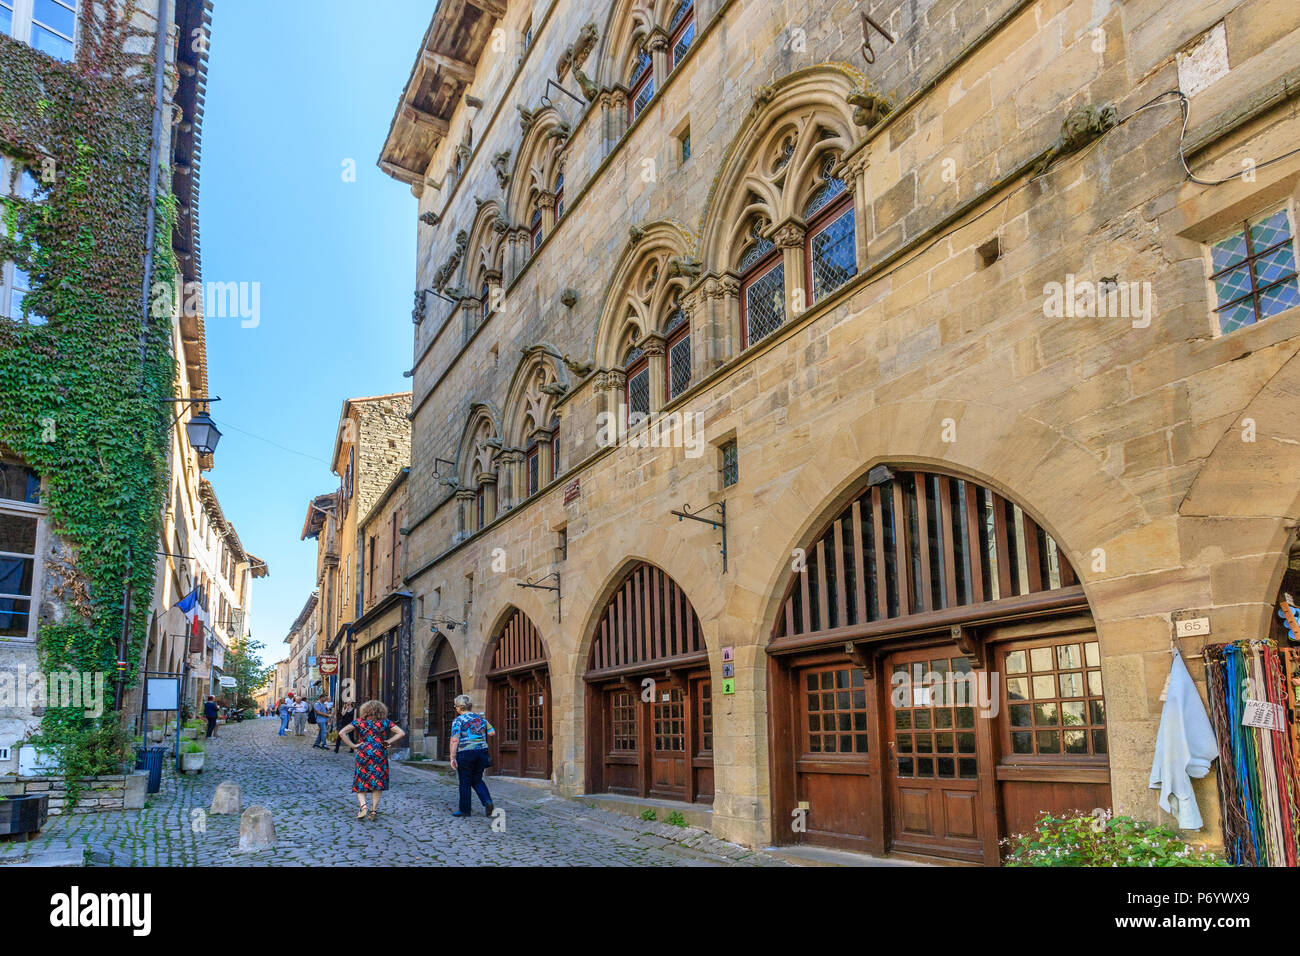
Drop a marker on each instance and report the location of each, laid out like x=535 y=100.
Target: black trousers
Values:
x=470 y=765
x=212 y=725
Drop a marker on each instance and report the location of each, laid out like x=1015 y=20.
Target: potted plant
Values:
x=24 y=814
x=192 y=758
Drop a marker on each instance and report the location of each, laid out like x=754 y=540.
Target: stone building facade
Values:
x=966 y=251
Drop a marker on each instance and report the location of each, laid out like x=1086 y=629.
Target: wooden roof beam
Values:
x=448 y=66
x=418 y=116
x=495 y=8
x=401 y=173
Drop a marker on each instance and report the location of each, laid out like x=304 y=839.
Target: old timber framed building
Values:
x=978 y=391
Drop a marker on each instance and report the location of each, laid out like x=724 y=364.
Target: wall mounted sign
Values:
x=1262 y=714
x=1193 y=627
x=572 y=491
x=329 y=664
x=728 y=653
x=729 y=669
x=729 y=685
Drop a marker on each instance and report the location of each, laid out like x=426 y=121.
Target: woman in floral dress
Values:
x=372 y=724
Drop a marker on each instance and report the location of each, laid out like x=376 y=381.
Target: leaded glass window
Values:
x=642 y=85
x=832 y=252
x=679 y=353
x=764 y=303
x=682 y=32
x=1254 y=272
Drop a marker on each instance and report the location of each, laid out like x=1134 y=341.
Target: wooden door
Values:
x=537 y=728
x=505 y=718
x=668 y=771
x=702 y=730
x=622 y=741
x=448 y=688
x=936 y=798
x=831 y=707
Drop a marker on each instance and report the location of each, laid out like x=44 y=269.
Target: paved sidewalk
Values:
x=309 y=795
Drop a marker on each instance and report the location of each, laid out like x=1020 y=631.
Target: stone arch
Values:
x=630 y=23
x=1021 y=458
x=479 y=443
x=537 y=164
x=658 y=263
x=538 y=382
x=771 y=166
x=485 y=250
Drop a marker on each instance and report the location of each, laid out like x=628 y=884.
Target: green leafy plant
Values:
x=1099 y=839
x=648 y=815
x=192 y=748
x=676 y=819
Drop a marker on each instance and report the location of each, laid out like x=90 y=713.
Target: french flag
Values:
x=192 y=607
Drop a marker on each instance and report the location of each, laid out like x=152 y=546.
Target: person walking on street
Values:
x=286 y=709
x=470 y=755
x=371 y=775
x=322 y=710
x=210 y=712
x=300 y=717
x=346 y=713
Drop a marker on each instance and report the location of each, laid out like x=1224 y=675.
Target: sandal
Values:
x=374 y=815
x=361 y=814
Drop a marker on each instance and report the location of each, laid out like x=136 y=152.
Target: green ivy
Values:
x=82 y=396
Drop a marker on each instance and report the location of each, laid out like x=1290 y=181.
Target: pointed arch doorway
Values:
x=649 y=694
x=441 y=687
x=934 y=676
x=519 y=695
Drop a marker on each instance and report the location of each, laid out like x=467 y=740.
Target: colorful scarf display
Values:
x=1257 y=767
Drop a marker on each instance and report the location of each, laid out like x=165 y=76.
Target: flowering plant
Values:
x=1100 y=839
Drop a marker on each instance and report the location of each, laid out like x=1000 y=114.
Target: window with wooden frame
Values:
x=681 y=32
x=636 y=390
x=934 y=725
x=395 y=554
x=678 y=349
x=510 y=721
x=762 y=289
x=835 y=711
x=622 y=719
x=22 y=538
x=669 y=721
x=48 y=25
x=730 y=463
x=532 y=465
x=704 y=723
x=1253 y=271
x=830 y=248
x=559 y=194
x=15 y=282
x=535 y=230
x=1053 y=704
x=641 y=85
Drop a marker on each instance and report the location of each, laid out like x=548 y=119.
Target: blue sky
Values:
x=294 y=89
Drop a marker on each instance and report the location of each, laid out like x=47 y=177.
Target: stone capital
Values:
x=790 y=233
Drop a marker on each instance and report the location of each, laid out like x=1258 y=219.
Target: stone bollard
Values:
x=137 y=785
x=226 y=799
x=256 y=830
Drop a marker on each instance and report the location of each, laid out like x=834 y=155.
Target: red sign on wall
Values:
x=328 y=663
x=572 y=491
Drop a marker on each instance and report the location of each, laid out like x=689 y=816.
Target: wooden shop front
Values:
x=934 y=678
x=649 y=694
x=519 y=700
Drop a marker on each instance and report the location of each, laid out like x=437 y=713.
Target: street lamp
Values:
x=203 y=433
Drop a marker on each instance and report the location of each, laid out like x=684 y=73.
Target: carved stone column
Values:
x=789 y=238
x=508 y=495
x=609 y=385
x=658 y=47
x=465 y=519
x=542 y=436
x=488 y=479
x=721 y=306
x=652 y=343
x=546 y=203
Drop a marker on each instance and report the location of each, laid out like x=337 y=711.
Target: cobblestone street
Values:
x=309 y=795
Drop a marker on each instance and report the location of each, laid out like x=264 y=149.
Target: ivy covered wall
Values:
x=84 y=382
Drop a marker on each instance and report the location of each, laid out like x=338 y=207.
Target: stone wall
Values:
x=1122 y=437
x=98 y=794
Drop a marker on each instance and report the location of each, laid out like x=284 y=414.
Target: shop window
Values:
x=642 y=85
x=830 y=248
x=934 y=730
x=762 y=295
x=1254 y=271
x=835 y=711
x=681 y=32
x=21 y=537
x=1054 y=702
x=623 y=721
x=637 y=390
x=730 y=464
x=678 y=332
